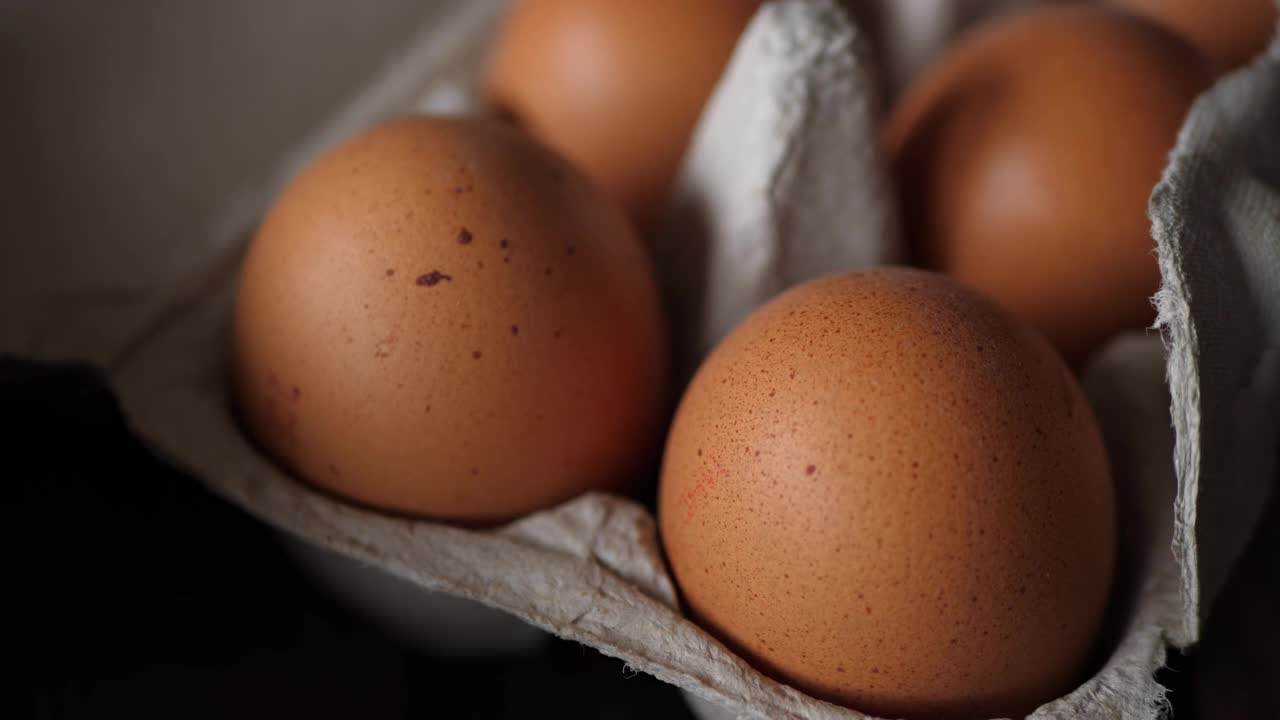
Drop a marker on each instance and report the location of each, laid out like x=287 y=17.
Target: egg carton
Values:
x=1189 y=415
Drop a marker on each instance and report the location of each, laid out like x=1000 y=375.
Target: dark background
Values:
x=141 y=595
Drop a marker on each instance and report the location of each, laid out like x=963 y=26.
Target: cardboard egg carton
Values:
x=1189 y=414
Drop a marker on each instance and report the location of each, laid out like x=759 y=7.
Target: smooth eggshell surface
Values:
x=616 y=85
x=885 y=491
x=1230 y=32
x=1025 y=158
x=440 y=317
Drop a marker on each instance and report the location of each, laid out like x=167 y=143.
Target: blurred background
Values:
x=139 y=122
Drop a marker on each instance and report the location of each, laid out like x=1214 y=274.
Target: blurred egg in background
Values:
x=1229 y=32
x=1025 y=157
x=617 y=86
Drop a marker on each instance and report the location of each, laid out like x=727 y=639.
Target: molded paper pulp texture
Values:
x=783 y=183
x=1216 y=220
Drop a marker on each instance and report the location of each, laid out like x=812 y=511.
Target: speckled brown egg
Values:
x=1025 y=158
x=1230 y=32
x=887 y=492
x=441 y=317
x=616 y=85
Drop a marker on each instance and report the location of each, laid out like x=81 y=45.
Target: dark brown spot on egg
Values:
x=464 y=236
x=384 y=347
x=391 y=271
x=432 y=279
x=810 y=470
x=515 y=329
x=475 y=354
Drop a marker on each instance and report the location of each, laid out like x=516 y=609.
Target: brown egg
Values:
x=1229 y=32
x=616 y=85
x=885 y=491
x=440 y=317
x=1025 y=158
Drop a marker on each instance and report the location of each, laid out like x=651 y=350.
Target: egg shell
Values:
x=617 y=86
x=1025 y=158
x=441 y=317
x=886 y=492
x=1229 y=32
